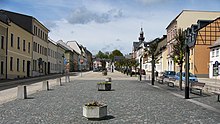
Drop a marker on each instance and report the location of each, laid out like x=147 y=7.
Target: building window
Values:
x=34 y=65
x=29 y=47
x=2 y=42
x=217 y=52
x=213 y=52
x=18 y=45
x=41 y=33
x=38 y=47
x=11 y=63
x=23 y=45
x=23 y=65
x=2 y=67
x=191 y=66
x=35 y=30
x=12 y=40
x=38 y=32
x=17 y=64
x=191 y=51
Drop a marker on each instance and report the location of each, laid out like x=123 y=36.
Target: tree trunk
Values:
x=180 y=83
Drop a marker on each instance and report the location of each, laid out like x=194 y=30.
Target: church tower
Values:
x=141 y=38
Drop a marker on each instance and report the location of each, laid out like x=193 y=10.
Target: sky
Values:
x=106 y=25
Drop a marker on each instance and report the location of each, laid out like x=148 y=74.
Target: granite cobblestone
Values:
x=130 y=101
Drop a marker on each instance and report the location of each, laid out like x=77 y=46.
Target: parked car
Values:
x=169 y=74
x=96 y=69
x=192 y=77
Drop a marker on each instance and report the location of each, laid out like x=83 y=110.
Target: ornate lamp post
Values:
x=190 y=42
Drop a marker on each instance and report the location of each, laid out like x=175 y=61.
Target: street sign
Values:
x=64 y=61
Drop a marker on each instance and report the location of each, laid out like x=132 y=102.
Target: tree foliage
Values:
x=179 y=47
x=102 y=55
x=178 y=51
x=151 y=53
x=115 y=53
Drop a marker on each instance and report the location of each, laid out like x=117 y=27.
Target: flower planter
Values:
x=104 y=72
x=104 y=86
x=95 y=112
x=108 y=79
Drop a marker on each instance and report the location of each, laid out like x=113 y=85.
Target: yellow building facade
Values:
x=3 y=49
x=60 y=58
x=40 y=46
x=19 y=52
x=52 y=57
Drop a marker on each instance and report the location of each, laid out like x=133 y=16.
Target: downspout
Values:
x=6 y=63
x=32 y=67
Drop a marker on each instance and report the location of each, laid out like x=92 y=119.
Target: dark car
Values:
x=169 y=74
x=96 y=70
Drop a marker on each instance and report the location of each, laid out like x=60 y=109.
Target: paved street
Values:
x=130 y=101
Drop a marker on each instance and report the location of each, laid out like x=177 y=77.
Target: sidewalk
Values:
x=11 y=93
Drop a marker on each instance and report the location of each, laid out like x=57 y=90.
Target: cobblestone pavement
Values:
x=130 y=101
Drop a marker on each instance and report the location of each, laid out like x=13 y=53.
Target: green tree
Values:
x=178 y=52
x=102 y=55
x=115 y=53
x=151 y=53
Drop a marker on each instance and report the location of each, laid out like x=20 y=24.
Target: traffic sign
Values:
x=64 y=61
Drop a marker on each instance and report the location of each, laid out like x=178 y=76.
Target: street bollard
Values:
x=22 y=92
x=45 y=85
x=59 y=81
x=67 y=78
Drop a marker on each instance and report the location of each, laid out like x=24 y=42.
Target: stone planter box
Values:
x=95 y=112
x=106 y=86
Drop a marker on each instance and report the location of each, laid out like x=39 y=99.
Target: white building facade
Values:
x=214 y=65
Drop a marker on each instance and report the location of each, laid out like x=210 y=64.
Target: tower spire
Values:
x=141 y=38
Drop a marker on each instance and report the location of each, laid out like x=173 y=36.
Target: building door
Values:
x=48 y=68
x=28 y=68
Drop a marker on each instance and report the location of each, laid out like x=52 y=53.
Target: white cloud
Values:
x=83 y=16
x=151 y=1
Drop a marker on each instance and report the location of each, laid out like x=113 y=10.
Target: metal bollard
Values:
x=45 y=85
x=22 y=92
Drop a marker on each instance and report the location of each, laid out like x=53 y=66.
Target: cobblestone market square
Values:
x=129 y=101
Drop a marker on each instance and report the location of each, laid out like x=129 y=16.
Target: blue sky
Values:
x=106 y=24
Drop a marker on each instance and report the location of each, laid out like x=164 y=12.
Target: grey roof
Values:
x=24 y=21
x=4 y=18
x=65 y=46
x=135 y=45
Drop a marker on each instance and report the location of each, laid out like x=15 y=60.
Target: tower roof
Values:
x=141 y=38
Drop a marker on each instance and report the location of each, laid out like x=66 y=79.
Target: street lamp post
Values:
x=189 y=42
x=140 y=76
x=187 y=73
x=153 y=64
